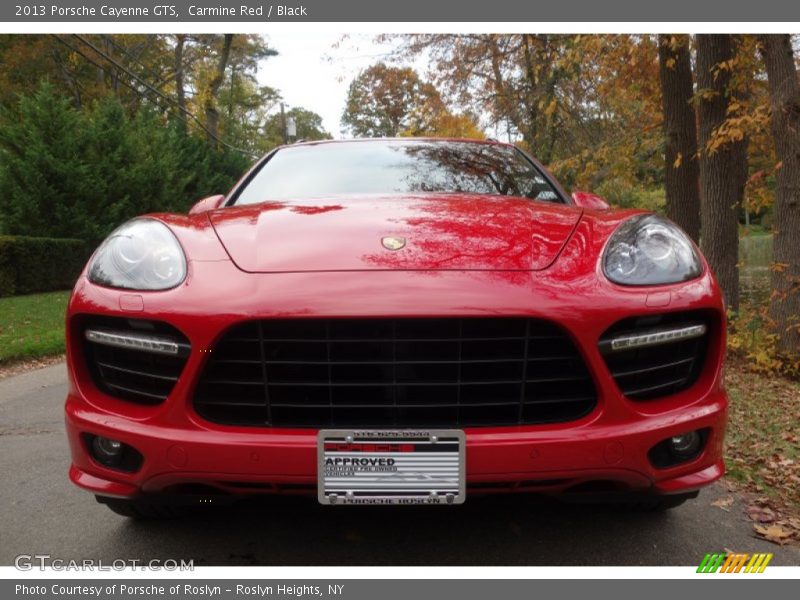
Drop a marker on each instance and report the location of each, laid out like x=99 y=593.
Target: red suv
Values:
x=406 y=321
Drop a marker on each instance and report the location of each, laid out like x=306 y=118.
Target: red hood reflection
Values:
x=442 y=232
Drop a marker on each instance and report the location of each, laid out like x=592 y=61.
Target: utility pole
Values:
x=284 y=131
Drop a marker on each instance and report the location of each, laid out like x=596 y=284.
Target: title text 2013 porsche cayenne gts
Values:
x=406 y=321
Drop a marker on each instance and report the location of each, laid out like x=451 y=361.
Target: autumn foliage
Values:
x=685 y=124
x=389 y=101
x=701 y=127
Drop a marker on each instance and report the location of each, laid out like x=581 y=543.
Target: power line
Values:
x=144 y=83
x=99 y=66
x=159 y=79
x=147 y=85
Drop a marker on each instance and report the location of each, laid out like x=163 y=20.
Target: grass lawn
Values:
x=32 y=326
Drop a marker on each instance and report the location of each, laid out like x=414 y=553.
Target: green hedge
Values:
x=68 y=173
x=33 y=264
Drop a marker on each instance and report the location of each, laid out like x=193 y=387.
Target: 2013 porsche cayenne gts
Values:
x=407 y=321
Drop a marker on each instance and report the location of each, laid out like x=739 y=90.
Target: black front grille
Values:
x=657 y=371
x=315 y=373
x=133 y=374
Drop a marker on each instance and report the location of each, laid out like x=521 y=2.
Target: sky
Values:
x=314 y=70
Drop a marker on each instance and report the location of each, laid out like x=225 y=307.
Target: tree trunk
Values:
x=510 y=107
x=180 y=42
x=680 y=131
x=784 y=93
x=68 y=78
x=721 y=167
x=212 y=114
x=115 y=72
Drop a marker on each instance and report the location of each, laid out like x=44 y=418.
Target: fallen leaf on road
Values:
x=760 y=514
x=723 y=503
x=774 y=533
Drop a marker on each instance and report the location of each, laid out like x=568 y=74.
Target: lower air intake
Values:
x=127 y=357
x=669 y=359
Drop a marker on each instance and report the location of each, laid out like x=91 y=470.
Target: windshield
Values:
x=396 y=167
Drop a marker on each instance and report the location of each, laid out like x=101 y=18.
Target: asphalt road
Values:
x=42 y=513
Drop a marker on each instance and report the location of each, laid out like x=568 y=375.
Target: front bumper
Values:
x=604 y=451
x=550 y=459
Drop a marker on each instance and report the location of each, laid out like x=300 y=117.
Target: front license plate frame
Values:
x=391 y=467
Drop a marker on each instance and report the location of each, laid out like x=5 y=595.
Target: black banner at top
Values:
x=443 y=11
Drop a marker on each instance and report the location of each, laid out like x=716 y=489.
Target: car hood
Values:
x=436 y=232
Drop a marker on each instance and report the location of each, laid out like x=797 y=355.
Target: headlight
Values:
x=649 y=250
x=142 y=254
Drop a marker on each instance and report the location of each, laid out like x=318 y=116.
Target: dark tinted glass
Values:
x=396 y=167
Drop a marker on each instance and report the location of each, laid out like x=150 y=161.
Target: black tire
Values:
x=143 y=509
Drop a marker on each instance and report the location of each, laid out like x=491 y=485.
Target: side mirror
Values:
x=590 y=200
x=206 y=204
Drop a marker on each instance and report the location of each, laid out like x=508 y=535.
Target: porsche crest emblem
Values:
x=393 y=242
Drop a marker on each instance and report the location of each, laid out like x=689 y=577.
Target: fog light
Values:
x=113 y=453
x=678 y=449
x=685 y=445
x=106 y=451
